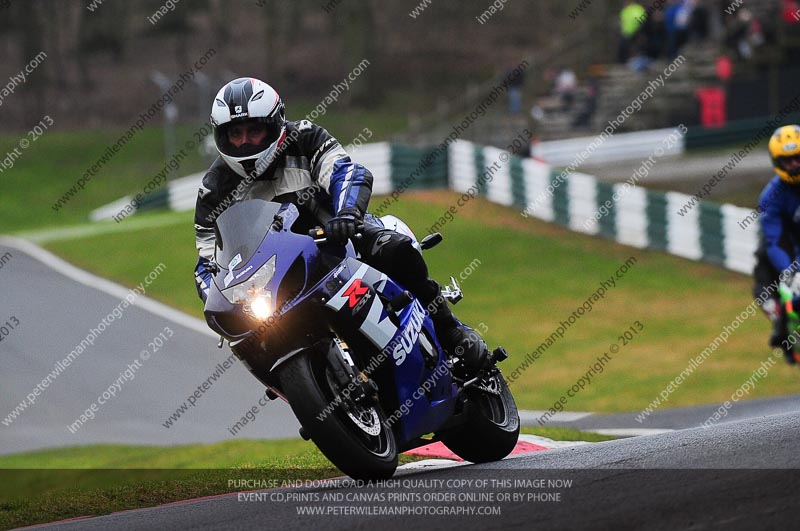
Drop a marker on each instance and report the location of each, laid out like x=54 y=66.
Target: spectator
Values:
x=566 y=84
x=744 y=33
x=630 y=22
x=699 y=20
x=655 y=34
x=584 y=117
x=516 y=80
x=676 y=22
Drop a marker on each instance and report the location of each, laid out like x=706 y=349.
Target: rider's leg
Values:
x=772 y=309
x=394 y=254
x=765 y=278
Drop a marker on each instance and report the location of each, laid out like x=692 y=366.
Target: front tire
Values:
x=491 y=430
x=354 y=437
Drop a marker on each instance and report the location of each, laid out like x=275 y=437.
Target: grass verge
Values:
x=71 y=482
x=521 y=279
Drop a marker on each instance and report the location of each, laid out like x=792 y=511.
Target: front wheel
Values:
x=491 y=430
x=352 y=435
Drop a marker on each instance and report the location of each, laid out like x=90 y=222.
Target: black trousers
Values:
x=764 y=274
x=394 y=253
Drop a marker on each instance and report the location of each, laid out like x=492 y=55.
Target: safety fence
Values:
x=628 y=214
x=631 y=215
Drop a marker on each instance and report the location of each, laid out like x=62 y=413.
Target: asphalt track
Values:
x=671 y=419
x=689 y=172
x=56 y=312
x=737 y=475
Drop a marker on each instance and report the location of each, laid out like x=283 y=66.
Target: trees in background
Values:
x=99 y=60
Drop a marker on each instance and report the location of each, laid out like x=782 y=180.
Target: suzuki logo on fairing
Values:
x=406 y=342
x=355 y=292
x=243 y=273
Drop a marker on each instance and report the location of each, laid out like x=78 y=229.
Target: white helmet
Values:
x=243 y=100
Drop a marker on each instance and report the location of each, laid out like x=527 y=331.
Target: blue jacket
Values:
x=779 y=205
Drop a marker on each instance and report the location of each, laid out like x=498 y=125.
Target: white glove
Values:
x=793 y=283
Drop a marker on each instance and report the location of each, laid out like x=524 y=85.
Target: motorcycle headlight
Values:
x=253 y=294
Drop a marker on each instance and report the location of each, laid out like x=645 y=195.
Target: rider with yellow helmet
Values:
x=784 y=150
x=779 y=206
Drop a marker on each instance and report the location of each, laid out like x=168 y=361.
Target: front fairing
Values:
x=249 y=234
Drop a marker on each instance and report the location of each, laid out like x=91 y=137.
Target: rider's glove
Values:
x=344 y=226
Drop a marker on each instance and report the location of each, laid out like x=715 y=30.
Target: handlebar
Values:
x=318 y=234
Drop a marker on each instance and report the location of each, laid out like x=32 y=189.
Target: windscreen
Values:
x=241 y=229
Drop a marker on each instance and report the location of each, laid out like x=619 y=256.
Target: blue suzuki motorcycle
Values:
x=353 y=353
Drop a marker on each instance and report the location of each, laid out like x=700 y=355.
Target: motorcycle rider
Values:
x=264 y=156
x=779 y=205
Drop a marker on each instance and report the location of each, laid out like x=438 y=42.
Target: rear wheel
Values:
x=351 y=434
x=491 y=430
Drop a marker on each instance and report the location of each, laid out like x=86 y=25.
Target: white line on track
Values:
x=549 y=443
x=629 y=432
x=106 y=286
x=530 y=417
x=108 y=227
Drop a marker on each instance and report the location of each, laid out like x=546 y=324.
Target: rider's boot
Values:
x=458 y=340
x=778 y=334
x=778 y=337
x=772 y=309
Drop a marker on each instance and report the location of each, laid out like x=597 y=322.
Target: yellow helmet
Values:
x=784 y=150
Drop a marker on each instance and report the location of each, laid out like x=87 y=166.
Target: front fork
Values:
x=355 y=385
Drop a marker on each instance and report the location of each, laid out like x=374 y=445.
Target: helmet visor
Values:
x=790 y=165
x=247 y=138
